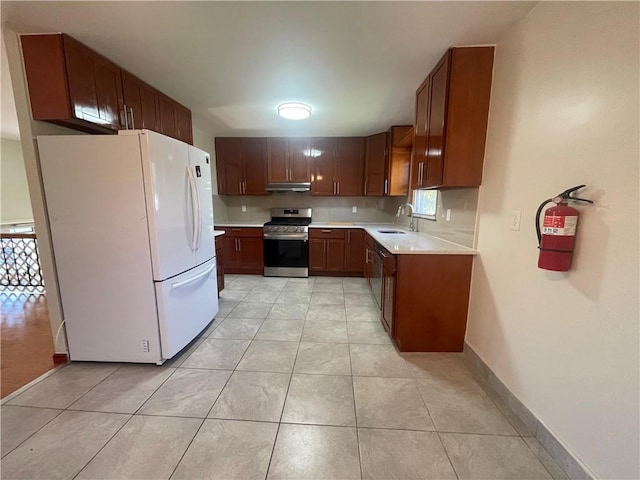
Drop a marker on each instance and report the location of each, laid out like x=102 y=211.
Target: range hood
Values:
x=298 y=187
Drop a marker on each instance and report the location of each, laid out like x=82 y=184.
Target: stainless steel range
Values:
x=286 y=243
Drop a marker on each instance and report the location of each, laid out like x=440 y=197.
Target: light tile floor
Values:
x=295 y=378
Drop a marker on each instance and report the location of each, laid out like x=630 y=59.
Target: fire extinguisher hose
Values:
x=538 y=232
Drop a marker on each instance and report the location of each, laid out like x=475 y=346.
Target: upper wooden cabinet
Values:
x=71 y=85
x=452 y=107
x=387 y=161
x=350 y=166
x=241 y=166
x=141 y=103
x=375 y=164
x=175 y=119
x=337 y=166
x=288 y=160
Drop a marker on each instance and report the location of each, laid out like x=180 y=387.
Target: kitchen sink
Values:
x=392 y=231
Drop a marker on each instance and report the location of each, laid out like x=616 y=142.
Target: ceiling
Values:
x=358 y=64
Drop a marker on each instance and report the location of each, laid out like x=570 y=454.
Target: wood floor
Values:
x=26 y=341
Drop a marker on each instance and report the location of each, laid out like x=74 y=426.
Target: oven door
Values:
x=286 y=257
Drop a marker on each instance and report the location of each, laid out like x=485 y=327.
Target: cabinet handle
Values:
x=126 y=119
x=240 y=187
x=420 y=171
x=289 y=175
x=325 y=231
x=133 y=123
x=338 y=183
x=365 y=188
x=385 y=186
x=239 y=245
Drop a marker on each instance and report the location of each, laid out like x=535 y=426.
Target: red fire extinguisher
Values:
x=558 y=236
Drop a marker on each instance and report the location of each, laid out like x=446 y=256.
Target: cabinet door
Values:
x=323 y=151
x=82 y=86
x=354 y=251
x=436 y=124
x=251 y=254
x=374 y=165
x=229 y=257
x=317 y=254
x=299 y=154
x=335 y=255
x=132 y=100
x=183 y=124
x=368 y=258
x=388 y=295
x=350 y=166
x=109 y=92
x=254 y=166
x=229 y=165
x=418 y=158
x=150 y=109
x=277 y=160
x=167 y=116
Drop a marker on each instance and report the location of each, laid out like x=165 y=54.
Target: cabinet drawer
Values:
x=327 y=233
x=242 y=231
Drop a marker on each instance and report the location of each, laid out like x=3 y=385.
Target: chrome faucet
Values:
x=401 y=211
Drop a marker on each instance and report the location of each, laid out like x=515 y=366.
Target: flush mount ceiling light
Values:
x=294 y=110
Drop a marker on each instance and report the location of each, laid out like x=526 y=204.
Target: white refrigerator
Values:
x=131 y=219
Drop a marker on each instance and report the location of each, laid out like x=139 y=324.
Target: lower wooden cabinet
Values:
x=336 y=251
x=242 y=250
x=354 y=251
x=219 y=262
x=427 y=304
x=326 y=250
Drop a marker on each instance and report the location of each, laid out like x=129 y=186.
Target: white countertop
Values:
x=403 y=243
x=217 y=233
x=414 y=242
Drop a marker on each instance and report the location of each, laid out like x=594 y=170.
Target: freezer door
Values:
x=169 y=194
x=201 y=164
x=186 y=305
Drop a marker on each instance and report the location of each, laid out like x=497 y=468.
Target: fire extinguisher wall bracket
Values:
x=557 y=239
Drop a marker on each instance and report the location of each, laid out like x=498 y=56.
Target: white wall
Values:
x=15 y=204
x=564 y=111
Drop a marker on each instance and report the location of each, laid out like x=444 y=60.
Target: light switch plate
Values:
x=448 y=217
x=244 y=208
x=514 y=224
x=354 y=209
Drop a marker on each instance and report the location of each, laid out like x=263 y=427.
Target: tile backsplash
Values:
x=460 y=228
x=325 y=209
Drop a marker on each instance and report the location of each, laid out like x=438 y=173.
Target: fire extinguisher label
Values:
x=559 y=225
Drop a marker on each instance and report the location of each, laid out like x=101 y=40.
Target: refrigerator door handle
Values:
x=199 y=205
x=194 y=207
x=193 y=279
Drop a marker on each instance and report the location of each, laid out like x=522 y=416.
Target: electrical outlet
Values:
x=514 y=224
x=244 y=208
x=448 y=217
x=354 y=209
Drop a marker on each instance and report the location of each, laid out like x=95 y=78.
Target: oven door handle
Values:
x=292 y=236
